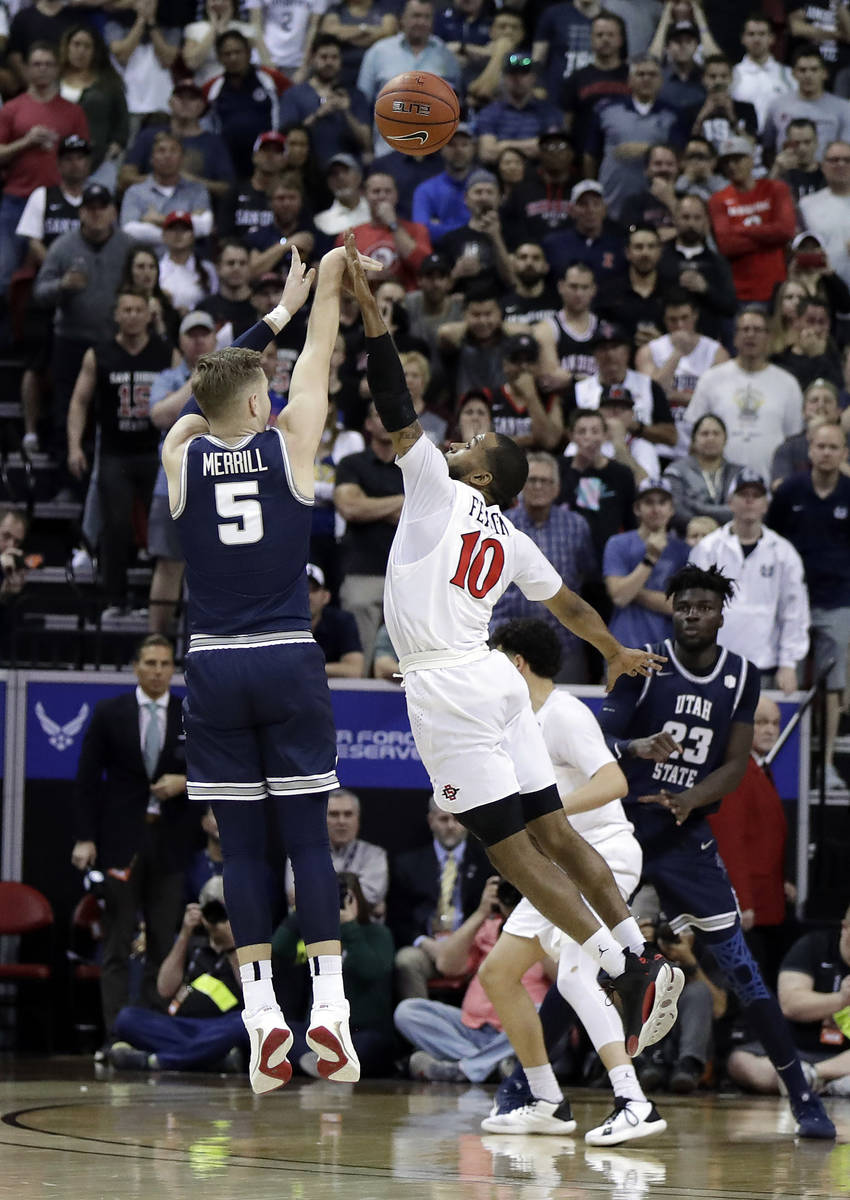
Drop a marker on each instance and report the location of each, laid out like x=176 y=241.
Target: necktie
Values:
x=153 y=742
x=446 y=909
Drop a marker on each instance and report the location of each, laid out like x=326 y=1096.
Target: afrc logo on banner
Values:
x=61 y=736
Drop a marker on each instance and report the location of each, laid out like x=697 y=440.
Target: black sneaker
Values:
x=649 y=989
x=686 y=1076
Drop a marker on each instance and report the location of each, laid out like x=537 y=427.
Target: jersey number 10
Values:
x=479 y=567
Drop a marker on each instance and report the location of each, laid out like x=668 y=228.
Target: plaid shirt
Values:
x=566 y=541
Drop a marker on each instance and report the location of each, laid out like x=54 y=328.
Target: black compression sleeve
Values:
x=385 y=376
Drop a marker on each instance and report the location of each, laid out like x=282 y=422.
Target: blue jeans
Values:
x=181 y=1043
x=439 y=1029
x=11 y=246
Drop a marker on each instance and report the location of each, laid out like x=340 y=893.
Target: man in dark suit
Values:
x=433 y=889
x=134 y=821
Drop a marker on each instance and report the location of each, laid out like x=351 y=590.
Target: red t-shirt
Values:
x=752 y=229
x=35 y=167
x=378 y=242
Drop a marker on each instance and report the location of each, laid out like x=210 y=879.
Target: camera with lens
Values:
x=214 y=912
x=344 y=892
x=94 y=882
x=665 y=934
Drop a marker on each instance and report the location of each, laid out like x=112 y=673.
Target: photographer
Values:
x=466 y=1044
x=367 y=972
x=199 y=979
x=678 y=1062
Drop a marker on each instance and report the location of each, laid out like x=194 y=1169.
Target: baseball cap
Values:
x=463 y=127
x=582 y=189
x=196 y=320
x=270 y=138
x=521 y=346
x=189 y=85
x=73 y=142
x=96 y=193
x=615 y=393
x=518 y=61
x=553 y=134
x=734 y=146
x=610 y=331
x=316 y=574
x=476 y=393
x=479 y=175
x=801 y=237
x=213 y=889
x=683 y=29
x=178 y=217
x=270 y=280
x=346 y=160
x=653 y=485
x=434 y=264
x=747 y=477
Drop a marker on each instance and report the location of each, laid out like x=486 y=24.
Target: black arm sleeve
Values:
x=387 y=384
x=255 y=338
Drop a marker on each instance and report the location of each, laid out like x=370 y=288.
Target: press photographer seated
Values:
x=200 y=981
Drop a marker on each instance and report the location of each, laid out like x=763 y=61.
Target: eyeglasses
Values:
x=520 y=60
x=838 y=161
x=539 y=481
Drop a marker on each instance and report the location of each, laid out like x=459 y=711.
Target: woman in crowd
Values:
x=367 y=972
x=87 y=78
x=298 y=156
x=699 y=483
x=474 y=415
x=809 y=267
x=200 y=37
x=511 y=167
x=783 y=312
x=141 y=271
x=357 y=24
x=417 y=374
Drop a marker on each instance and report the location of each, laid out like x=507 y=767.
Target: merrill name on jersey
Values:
x=233 y=462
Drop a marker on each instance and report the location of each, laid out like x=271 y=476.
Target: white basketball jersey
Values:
x=577 y=748
x=685 y=378
x=451 y=559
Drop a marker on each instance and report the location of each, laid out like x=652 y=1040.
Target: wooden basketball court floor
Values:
x=66 y=1133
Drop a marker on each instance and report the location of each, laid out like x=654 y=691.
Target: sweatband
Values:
x=280 y=316
x=387 y=384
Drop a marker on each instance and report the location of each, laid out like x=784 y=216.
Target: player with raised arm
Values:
x=590 y=784
x=453 y=556
x=683 y=739
x=258 y=719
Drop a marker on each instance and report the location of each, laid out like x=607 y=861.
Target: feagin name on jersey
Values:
x=489 y=519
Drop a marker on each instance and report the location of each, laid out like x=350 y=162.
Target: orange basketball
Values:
x=417 y=112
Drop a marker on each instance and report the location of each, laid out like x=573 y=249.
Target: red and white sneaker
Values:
x=649 y=989
x=330 y=1038
x=271 y=1039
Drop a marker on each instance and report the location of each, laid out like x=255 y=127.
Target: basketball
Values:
x=417 y=113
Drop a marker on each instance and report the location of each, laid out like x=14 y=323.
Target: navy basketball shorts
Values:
x=692 y=883
x=258 y=721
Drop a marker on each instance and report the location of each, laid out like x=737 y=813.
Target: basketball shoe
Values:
x=538 y=1116
x=628 y=1121
x=649 y=991
x=330 y=1038
x=270 y=1038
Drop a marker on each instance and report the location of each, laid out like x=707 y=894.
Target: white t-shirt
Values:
x=828 y=216
x=759 y=408
x=689 y=370
x=577 y=748
x=285 y=28
x=147 y=83
x=451 y=559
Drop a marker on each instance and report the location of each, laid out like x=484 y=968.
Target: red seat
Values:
x=24 y=910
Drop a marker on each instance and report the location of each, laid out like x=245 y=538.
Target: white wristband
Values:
x=280 y=316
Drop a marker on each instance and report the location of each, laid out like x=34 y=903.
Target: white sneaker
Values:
x=541 y=1116
x=330 y=1037
x=835 y=1087
x=270 y=1041
x=810 y=1074
x=29 y=444
x=629 y=1120
x=834 y=781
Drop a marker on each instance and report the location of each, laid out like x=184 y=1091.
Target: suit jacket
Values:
x=415 y=888
x=112 y=788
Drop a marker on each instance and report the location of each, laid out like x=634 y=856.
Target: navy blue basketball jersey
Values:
x=697 y=710
x=245 y=533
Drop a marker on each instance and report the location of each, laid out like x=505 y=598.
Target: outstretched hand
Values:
x=632 y=662
x=679 y=804
x=355 y=272
x=298 y=284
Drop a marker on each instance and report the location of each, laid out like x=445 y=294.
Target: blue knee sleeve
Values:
x=303 y=824
x=242 y=828
x=738 y=965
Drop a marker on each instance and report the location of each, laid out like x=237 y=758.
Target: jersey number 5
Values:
x=246 y=527
x=479 y=567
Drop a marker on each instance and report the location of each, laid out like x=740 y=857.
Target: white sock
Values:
x=543 y=1084
x=629 y=936
x=602 y=948
x=257 y=986
x=624 y=1081
x=326 y=973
